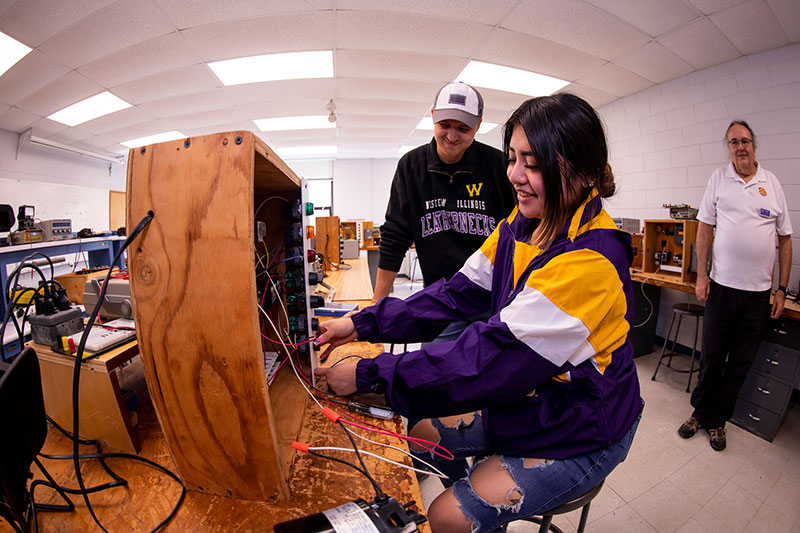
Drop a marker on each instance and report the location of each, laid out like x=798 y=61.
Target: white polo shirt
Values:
x=747 y=217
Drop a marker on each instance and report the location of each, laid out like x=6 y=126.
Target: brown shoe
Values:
x=718 y=440
x=689 y=428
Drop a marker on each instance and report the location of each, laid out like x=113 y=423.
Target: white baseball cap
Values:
x=458 y=101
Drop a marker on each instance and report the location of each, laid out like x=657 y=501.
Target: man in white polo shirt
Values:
x=746 y=204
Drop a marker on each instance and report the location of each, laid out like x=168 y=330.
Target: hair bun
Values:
x=606 y=186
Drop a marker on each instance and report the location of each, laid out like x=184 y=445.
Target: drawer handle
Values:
x=757 y=419
x=764 y=391
x=772 y=362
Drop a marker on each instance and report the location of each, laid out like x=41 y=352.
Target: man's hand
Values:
x=702 y=287
x=341 y=378
x=778 y=301
x=335 y=333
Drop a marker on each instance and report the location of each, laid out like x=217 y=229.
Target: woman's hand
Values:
x=341 y=378
x=335 y=332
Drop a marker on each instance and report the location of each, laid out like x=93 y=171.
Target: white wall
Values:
x=666 y=140
x=361 y=188
x=58 y=184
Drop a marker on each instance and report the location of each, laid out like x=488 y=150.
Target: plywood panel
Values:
x=193 y=288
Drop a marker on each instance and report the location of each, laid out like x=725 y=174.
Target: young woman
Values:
x=549 y=379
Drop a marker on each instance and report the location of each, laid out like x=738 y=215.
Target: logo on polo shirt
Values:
x=762 y=191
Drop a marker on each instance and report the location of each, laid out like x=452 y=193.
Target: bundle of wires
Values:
x=76 y=456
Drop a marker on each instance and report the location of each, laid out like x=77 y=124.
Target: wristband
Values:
x=781 y=288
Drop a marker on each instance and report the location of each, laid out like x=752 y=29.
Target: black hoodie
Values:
x=447 y=211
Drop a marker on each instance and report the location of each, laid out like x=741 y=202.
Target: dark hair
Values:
x=739 y=122
x=567 y=138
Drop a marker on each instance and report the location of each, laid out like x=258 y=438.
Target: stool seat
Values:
x=582 y=501
x=688 y=309
x=681 y=310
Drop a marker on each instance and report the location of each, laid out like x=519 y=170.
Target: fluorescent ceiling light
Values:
x=91 y=108
x=152 y=139
x=310 y=122
x=509 y=79
x=11 y=51
x=300 y=151
x=427 y=124
x=273 y=67
x=405 y=148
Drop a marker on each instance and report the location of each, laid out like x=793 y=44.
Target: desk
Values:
x=101 y=252
x=353 y=284
x=315 y=484
x=104 y=416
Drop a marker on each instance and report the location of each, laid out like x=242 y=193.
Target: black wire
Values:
x=331 y=458
x=345 y=358
x=76 y=397
x=378 y=492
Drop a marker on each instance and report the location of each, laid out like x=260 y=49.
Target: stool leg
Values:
x=546 y=520
x=584 y=517
x=661 y=355
x=675 y=341
x=694 y=348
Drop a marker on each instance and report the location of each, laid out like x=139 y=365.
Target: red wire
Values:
x=377 y=429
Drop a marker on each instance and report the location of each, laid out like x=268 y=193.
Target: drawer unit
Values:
x=764 y=397
x=756 y=419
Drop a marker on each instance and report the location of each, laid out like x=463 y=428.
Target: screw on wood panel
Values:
x=228 y=492
x=225 y=141
x=239 y=139
x=143 y=150
x=187 y=143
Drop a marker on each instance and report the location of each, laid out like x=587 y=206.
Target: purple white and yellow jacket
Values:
x=552 y=369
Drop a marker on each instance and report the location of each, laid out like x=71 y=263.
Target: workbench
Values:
x=315 y=484
x=100 y=250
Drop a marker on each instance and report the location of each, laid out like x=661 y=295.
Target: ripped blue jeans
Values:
x=538 y=488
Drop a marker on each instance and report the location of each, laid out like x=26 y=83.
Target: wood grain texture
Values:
x=327 y=239
x=351 y=284
x=193 y=288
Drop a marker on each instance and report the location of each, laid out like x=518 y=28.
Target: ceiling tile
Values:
x=387 y=89
x=33 y=23
x=751 y=27
x=284 y=90
x=409 y=33
x=118 y=26
x=44 y=127
x=194 y=103
x=524 y=51
x=136 y=131
x=199 y=120
x=274 y=108
x=199 y=12
x=483 y=11
x=576 y=24
x=64 y=91
x=17 y=120
x=30 y=74
x=788 y=14
x=117 y=120
x=382 y=107
x=655 y=63
x=71 y=135
x=163 y=53
x=397 y=65
x=263 y=35
x=374 y=122
x=595 y=97
x=183 y=81
x=708 y=7
x=654 y=17
x=299 y=136
x=700 y=43
x=614 y=80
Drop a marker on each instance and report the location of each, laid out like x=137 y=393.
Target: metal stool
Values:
x=680 y=310
x=547 y=517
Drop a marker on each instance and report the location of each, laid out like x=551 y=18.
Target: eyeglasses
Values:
x=743 y=142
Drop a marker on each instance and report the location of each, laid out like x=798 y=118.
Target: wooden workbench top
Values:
x=352 y=284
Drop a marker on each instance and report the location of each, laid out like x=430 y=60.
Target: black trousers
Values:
x=732 y=326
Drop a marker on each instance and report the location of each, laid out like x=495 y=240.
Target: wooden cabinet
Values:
x=764 y=397
x=669 y=248
x=194 y=289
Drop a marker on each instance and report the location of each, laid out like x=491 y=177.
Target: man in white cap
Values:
x=446 y=197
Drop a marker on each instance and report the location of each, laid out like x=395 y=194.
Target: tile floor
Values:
x=668 y=484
